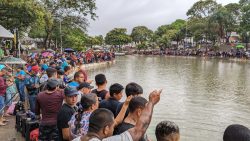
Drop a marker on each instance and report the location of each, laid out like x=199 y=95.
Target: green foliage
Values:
x=19 y=14
x=76 y=39
x=117 y=37
x=166 y=39
x=141 y=34
x=203 y=9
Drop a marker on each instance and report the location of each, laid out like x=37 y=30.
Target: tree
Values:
x=72 y=12
x=245 y=22
x=203 y=9
x=19 y=14
x=75 y=38
x=117 y=37
x=165 y=40
x=141 y=34
x=180 y=29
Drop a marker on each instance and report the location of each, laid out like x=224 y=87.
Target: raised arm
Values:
x=142 y=125
x=119 y=118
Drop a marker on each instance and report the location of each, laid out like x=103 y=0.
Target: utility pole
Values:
x=61 y=34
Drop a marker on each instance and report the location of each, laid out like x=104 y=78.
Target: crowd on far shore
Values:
x=233 y=53
x=57 y=91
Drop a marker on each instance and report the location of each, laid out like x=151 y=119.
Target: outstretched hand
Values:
x=154 y=96
x=128 y=100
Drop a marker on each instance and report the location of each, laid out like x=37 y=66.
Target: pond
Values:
x=203 y=96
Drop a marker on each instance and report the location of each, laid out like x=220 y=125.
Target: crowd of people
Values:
x=233 y=53
x=60 y=94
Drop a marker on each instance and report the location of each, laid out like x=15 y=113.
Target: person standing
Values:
x=67 y=110
x=3 y=87
x=32 y=85
x=49 y=102
x=20 y=82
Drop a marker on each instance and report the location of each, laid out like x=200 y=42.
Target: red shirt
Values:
x=50 y=104
x=3 y=86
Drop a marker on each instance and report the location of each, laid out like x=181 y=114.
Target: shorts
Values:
x=48 y=133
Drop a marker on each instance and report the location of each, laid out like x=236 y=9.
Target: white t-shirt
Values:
x=125 y=136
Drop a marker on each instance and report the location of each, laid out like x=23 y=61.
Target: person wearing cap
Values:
x=32 y=86
x=20 y=82
x=65 y=113
x=3 y=87
x=49 y=102
x=83 y=88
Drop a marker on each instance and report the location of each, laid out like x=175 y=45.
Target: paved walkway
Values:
x=9 y=133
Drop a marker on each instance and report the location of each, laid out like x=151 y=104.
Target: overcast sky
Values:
x=131 y=13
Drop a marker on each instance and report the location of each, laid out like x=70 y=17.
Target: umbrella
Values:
x=48 y=50
x=240 y=46
x=46 y=54
x=12 y=60
x=69 y=50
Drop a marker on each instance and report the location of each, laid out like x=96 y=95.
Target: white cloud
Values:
x=131 y=13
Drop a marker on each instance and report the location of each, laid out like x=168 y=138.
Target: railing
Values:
x=8 y=102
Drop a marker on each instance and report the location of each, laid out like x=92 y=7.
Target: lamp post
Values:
x=61 y=34
x=247 y=38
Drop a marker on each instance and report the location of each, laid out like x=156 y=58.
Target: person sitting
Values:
x=236 y=132
x=101 y=91
x=167 y=131
x=136 y=105
x=102 y=123
x=112 y=103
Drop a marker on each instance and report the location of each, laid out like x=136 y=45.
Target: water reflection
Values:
x=202 y=96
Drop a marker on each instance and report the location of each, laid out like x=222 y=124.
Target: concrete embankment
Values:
x=98 y=65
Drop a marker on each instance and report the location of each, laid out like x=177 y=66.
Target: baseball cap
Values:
x=85 y=85
x=2 y=67
x=52 y=83
x=70 y=91
x=35 y=68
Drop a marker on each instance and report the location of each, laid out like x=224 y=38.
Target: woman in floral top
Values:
x=79 y=123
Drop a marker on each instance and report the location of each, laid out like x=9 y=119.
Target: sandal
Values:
x=2 y=124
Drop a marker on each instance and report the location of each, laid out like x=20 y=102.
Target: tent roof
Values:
x=4 y=33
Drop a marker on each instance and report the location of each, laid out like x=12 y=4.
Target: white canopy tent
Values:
x=4 y=33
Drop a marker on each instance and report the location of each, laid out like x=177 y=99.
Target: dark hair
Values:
x=50 y=88
x=236 y=132
x=51 y=63
x=164 y=129
x=66 y=68
x=87 y=101
x=51 y=71
x=99 y=119
x=133 y=89
x=137 y=102
x=100 y=79
x=115 y=89
x=77 y=74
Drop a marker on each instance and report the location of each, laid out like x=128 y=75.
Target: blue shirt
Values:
x=22 y=73
x=73 y=84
